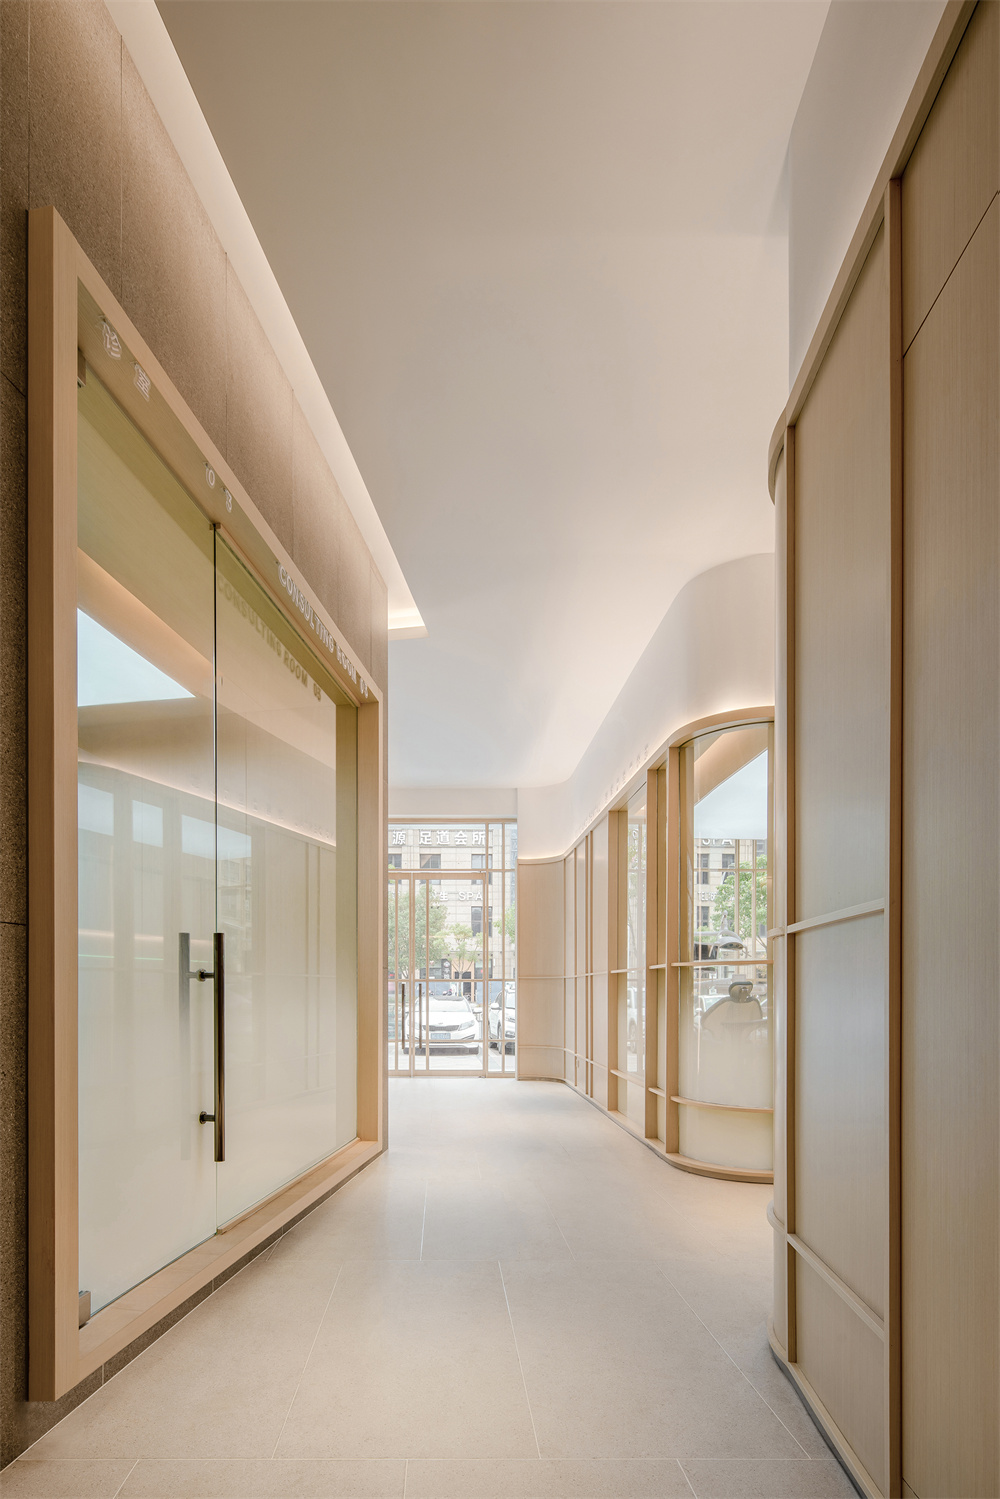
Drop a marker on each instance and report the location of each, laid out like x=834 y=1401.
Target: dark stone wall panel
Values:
x=14 y=27
x=78 y=131
x=75 y=124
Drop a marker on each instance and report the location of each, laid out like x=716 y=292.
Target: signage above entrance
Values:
x=305 y=607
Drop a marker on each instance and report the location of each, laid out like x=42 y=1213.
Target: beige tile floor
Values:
x=519 y=1301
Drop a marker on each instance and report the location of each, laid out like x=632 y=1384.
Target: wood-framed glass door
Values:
x=217 y=834
x=437 y=983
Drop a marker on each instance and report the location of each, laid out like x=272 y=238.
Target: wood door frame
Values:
x=74 y=319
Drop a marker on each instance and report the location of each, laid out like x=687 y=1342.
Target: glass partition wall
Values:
x=632 y=983
x=452 y=948
x=217 y=874
x=724 y=1036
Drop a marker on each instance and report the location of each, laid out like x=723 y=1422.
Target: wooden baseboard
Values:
x=721 y=1173
x=832 y=1434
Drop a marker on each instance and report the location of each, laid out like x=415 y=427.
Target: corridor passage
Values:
x=517 y=1300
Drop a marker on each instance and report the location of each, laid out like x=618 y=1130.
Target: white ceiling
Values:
x=537 y=254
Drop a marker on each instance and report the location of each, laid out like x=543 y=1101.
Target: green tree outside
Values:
x=724 y=914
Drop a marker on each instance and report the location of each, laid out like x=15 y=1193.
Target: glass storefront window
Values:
x=724 y=1022
x=452 y=925
x=632 y=1004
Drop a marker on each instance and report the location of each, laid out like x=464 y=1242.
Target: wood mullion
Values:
x=894 y=866
x=785 y=734
x=53 y=1192
x=651 y=935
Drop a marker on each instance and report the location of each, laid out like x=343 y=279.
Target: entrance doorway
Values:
x=452 y=994
x=217 y=832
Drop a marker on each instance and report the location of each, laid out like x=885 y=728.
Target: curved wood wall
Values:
x=887 y=1281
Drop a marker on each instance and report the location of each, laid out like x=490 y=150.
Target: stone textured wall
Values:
x=78 y=130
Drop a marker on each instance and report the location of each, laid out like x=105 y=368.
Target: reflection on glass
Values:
x=207 y=802
x=287 y=903
x=724 y=1035
x=146 y=777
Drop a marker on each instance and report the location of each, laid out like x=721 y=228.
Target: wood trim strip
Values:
x=126 y=1319
x=718 y=1173
x=841 y=1446
x=671 y=1002
x=732 y=1108
x=869 y=1318
x=653 y=941
x=832 y=918
x=892 y=1293
x=787 y=668
x=52 y=1083
x=944 y=45
x=372 y=837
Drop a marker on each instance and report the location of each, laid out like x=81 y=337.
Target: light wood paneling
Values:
x=888 y=856
x=944 y=44
x=541 y=958
x=840 y=1109
x=950 y=882
x=569 y=914
x=842 y=533
x=540 y=919
x=599 y=898
x=539 y=1012
x=842 y=1360
x=955 y=168
x=582 y=965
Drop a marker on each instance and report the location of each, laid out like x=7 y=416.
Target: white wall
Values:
x=712 y=652
x=865 y=66
x=426 y=801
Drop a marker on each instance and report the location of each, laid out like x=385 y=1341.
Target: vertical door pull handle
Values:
x=219 y=979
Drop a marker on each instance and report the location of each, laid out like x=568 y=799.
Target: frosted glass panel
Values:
x=146 y=770
x=287 y=790
x=217 y=793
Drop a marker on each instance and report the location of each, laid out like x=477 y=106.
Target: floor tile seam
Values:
x=305 y=1365
x=544 y=1196
x=517 y=1353
x=125 y=1480
x=743 y=1375
x=423 y=1221
x=687 y=1478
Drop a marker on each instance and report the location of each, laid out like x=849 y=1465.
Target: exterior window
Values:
x=451 y=942
x=724 y=1042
